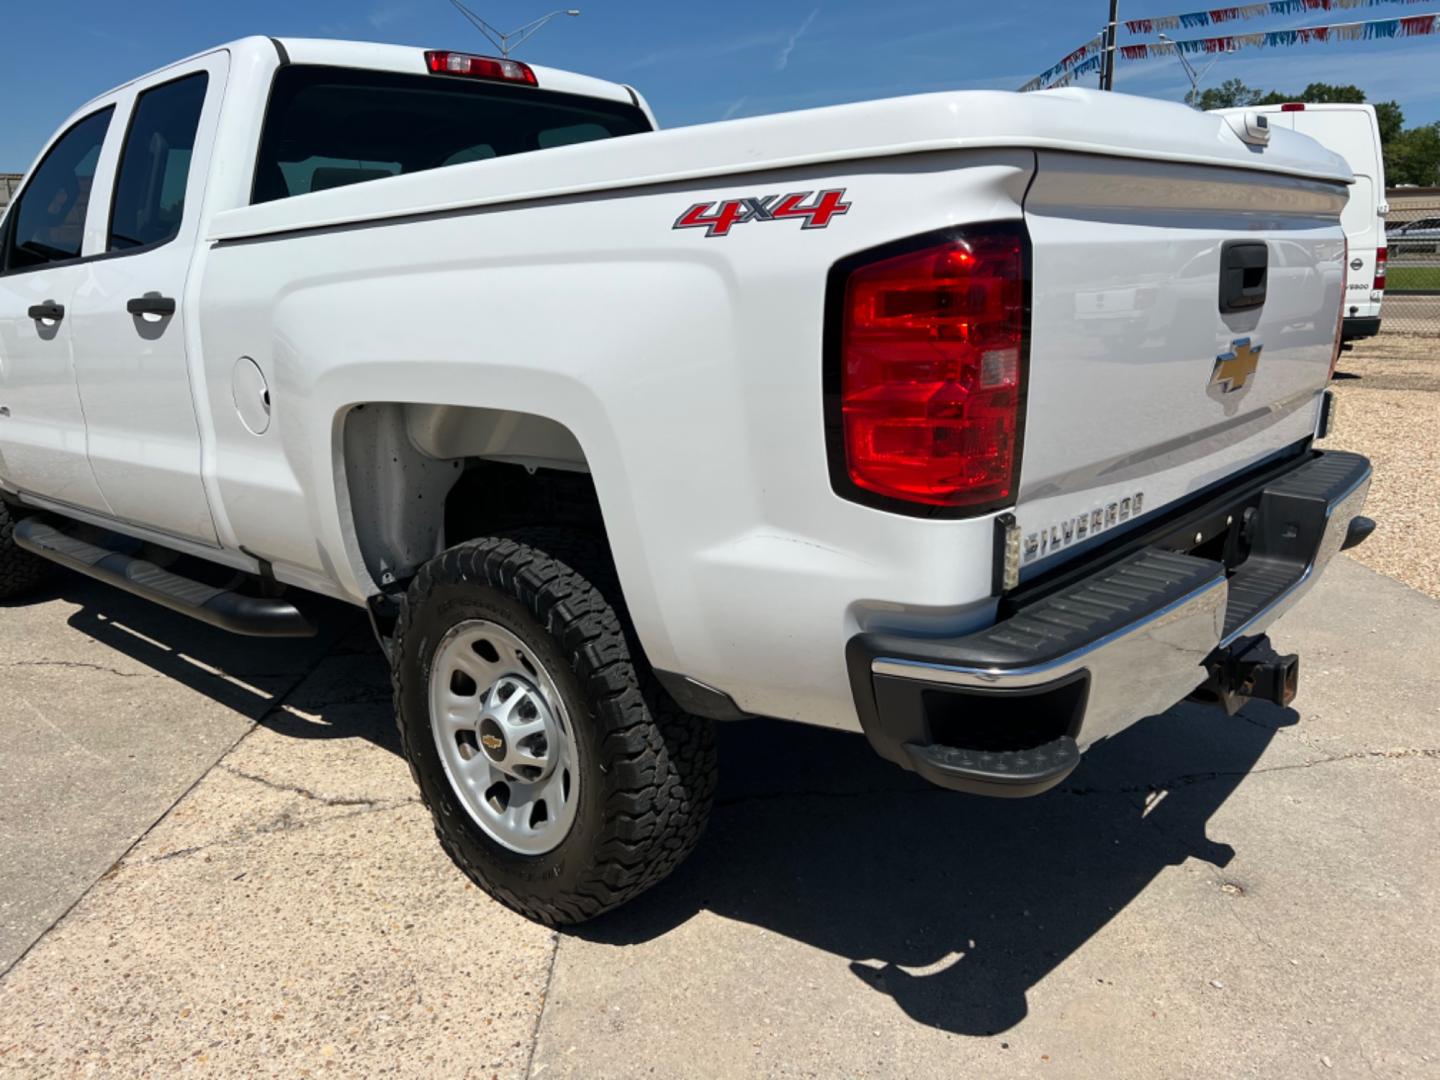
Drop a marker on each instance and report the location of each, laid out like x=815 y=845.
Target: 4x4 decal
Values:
x=717 y=219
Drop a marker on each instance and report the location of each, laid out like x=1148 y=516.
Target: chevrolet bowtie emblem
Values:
x=492 y=742
x=1233 y=369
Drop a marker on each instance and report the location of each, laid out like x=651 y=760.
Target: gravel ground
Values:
x=1389 y=394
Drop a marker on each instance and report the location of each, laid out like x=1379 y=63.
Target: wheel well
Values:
x=422 y=478
x=492 y=497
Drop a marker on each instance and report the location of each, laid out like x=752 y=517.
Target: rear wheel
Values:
x=20 y=571
x=560 y=776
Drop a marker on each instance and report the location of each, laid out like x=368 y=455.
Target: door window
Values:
x=48 y=223
x=155 y=164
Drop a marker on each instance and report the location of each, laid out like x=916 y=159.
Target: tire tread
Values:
x=660 y=762
x=20 y=571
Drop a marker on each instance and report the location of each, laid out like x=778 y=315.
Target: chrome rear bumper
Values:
x=1006 y=710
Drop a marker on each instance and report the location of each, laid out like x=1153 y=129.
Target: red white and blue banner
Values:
x=1378 y=29
x=1086 y=56
x=1085 y=68
x=1089 y=56
x=1215 y=16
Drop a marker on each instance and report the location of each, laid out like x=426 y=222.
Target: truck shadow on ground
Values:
x=256 y=677
x=953 y=906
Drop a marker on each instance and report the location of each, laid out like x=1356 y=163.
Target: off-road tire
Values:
x=647 y=769
x=20 y=571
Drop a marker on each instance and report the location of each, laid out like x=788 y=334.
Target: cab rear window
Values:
x=327 y=127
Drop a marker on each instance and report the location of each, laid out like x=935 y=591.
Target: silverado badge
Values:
x=1234 y=368
x=1059 y=534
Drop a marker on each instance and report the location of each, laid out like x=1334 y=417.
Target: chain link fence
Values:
x=1412 y=284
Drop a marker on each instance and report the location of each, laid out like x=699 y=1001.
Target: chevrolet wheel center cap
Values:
x=492 y=740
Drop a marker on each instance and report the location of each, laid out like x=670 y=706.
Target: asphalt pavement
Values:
x=245 y=884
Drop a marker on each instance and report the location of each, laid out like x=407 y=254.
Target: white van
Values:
x=1352 y=132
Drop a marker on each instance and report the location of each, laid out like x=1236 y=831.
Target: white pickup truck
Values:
x=977 y=422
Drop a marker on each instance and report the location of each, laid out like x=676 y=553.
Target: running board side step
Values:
x=251 y=615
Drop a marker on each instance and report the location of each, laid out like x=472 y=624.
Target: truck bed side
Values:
x=686 y=369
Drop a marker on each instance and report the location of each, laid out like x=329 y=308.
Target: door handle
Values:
x=154 y=304
x=1244 y=269
x=48 y=310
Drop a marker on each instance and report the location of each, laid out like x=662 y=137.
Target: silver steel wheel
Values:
x=504 y=737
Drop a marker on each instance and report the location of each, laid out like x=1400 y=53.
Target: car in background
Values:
x=1418 y=237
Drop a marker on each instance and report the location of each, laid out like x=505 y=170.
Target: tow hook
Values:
x=1358 y=532
x=1248 y=669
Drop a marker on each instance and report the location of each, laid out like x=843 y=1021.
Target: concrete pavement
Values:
x=292 y=913
x=112 y=709
x=1254 y=896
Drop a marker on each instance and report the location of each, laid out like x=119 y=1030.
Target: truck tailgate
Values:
x=1141 y=389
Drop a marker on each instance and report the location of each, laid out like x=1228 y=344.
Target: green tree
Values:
x=1228 y=95
x=1391 y=119
x=1320 y=93
x=1414 y=157
x=1317 y=93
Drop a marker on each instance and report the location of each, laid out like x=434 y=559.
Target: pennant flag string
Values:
x=1088 y=56
x=1378 y=29
x=1083 y=68
x=1084 y=54
x=1192 y=19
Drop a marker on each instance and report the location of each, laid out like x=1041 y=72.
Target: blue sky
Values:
x=694 y=61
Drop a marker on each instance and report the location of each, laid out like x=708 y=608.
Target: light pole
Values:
x=1107 y=65
x=1193 y=98
x=515 y=38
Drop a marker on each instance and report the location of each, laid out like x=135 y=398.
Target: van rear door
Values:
x=1353 y=133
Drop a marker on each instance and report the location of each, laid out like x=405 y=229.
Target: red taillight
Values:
x=1381 y=255
x=1293 y=106
x=479 y=67
x=932 y=363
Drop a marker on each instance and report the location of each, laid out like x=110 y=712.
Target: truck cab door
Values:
x=133 y=335
x=42 y=244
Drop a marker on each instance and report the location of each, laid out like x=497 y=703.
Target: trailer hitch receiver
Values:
x=1249 y=669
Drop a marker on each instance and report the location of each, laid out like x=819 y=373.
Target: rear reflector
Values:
x=479 y=67
x=932 y=349
x=1340 y=315
x=1293 y=106
x=1381 y=256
